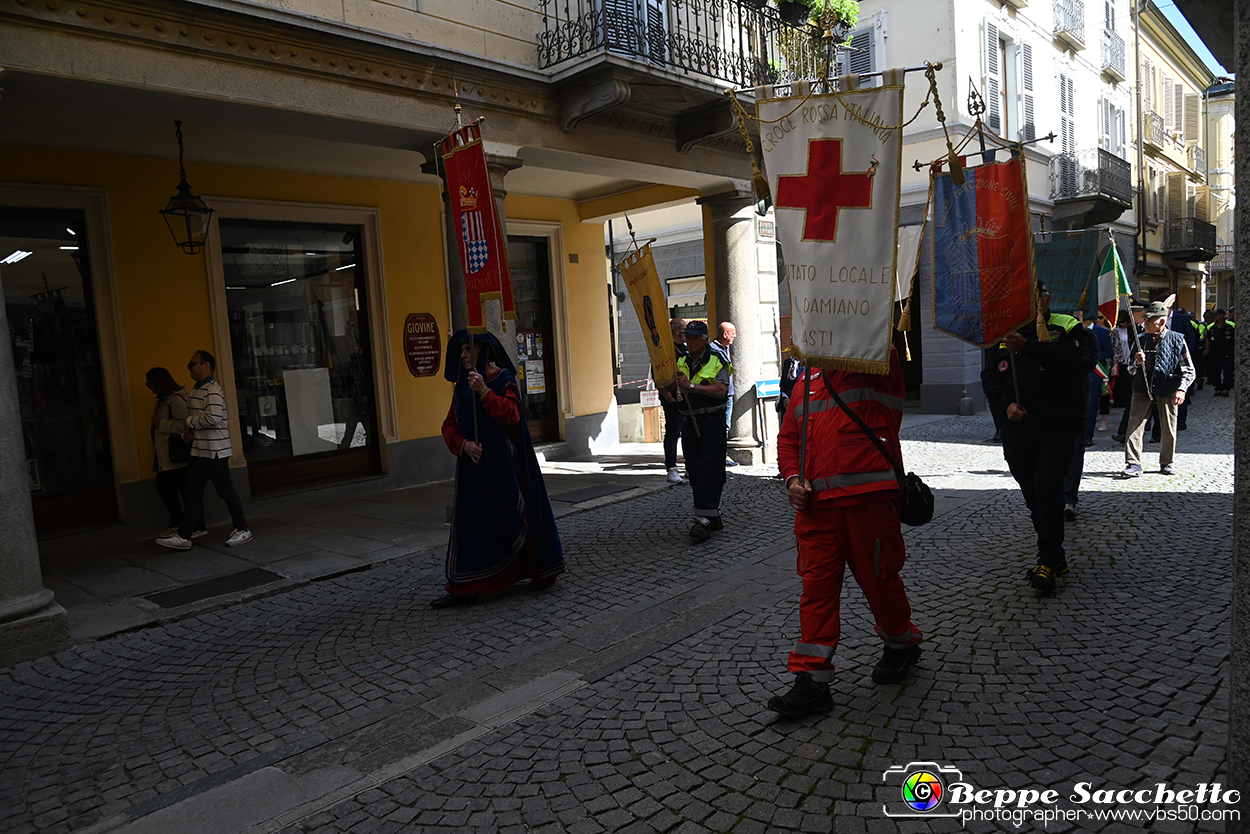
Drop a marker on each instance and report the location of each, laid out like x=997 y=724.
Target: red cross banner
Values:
x=833 y=162
x=483 y=252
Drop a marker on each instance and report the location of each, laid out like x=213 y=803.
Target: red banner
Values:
x=483 y=250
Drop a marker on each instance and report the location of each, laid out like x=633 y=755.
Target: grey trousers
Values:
x=1138 y=409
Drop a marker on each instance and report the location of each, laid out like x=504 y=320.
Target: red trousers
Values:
x=868 y=538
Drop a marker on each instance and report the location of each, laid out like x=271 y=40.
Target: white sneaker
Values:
x=674 y=477
x=175 y=541
x=238 y=537
x=199 y=533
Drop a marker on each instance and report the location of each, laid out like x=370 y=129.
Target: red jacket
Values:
x=841 y=461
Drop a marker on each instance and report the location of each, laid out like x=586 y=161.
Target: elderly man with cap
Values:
x=1162 y=371
x=703 y=377
x=1045 y=420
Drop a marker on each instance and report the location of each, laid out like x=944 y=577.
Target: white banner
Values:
x=833 y=163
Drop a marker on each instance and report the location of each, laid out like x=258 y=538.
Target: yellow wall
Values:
x=586 y=295
x=163 y=293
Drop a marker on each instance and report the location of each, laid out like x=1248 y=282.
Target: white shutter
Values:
x=1121 y=129
x=1178 y=107
x=1147 y=85
x=1028 y=124
x=1067 y=114
x=1104 y=125
x=1109 y=15
x=657 y=36
x=991 y=49
x=1165 y=93
x=1193 y=110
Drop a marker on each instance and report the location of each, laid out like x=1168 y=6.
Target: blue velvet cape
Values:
x=502 y=521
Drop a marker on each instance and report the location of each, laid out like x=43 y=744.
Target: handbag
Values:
x=917 y=501
x=179 y=449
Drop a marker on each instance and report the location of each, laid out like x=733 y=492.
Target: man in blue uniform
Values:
x=703 y=378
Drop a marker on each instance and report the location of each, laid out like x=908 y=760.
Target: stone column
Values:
x=1238 y=746
x=451 y=252
x=498 y=167
x=730 y=224
x=32 y=624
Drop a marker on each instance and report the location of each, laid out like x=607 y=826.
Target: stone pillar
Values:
x=32 y=624
x=730 y=225
x=497 y=167
x=1238 y=747
x=451 y=252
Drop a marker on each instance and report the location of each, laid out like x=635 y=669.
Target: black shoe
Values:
x=1089 y=441
x=452 y=601
x=1061 y=568
x=540 y=584
x=1154 y=438
x=894 y=664
x=805 y=696
x=716 y=524
x=701 y=530
x=997 y=438
x=1069 y=512
x=1181 y=426
x=1042 y=578
x=1117 y=438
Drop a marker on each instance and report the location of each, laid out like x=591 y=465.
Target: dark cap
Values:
x=1155 y=310
x=696 y=328
x=1041 y=287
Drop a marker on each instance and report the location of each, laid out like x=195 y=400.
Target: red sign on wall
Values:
x=423 y=347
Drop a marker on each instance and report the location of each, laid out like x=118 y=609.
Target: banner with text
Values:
x=982 y=253
x=483 y=252
x=833 y=163
x=1067 y=263
x=638 y=270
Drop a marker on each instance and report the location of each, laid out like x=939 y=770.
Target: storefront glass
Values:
x=56 y=355
x=296 y=299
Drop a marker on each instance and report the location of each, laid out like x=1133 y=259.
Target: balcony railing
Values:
x=1093 y=172
x=1193 y=238
x=737 y=42
x=1197 y=159
x=1156 y=133
x=1070 y=23
x=1113 y=55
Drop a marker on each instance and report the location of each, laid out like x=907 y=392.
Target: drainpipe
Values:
x=1141 y=153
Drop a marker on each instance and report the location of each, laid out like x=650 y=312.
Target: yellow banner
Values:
x=640 y=276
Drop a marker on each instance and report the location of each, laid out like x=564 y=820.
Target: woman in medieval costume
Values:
x=503 y=529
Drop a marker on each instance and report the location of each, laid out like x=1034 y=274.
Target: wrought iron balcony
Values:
x=1070 y=23
x=1189 y=239
x=1156 y=133
x=1093 y=172
x=1112 y=55
x=738 y=42
x=1197 y=159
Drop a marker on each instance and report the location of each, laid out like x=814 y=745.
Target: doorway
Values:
x=535 y=336
x=299 y=335
x=49 y=307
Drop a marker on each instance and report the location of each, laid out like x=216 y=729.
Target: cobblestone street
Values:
x=630 y=696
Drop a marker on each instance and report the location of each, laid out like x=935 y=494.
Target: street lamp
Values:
x=186 y=215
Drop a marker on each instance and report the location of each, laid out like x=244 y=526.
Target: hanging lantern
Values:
x=186 y=215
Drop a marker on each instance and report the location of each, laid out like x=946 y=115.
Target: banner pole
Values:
x=807 y=385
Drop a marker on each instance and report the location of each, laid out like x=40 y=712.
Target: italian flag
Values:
x=1112 y=283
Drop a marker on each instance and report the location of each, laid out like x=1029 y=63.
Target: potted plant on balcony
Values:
x=797 y=11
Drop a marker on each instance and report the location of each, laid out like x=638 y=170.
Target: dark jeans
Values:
x=705 y=461
x=1072 y=481
x=200 y=471
x=1122 y=388
x=1220 y=369
x=171 y=486
x=1038 y=458
x=673 y=421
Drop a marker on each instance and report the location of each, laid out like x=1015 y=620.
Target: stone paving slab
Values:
x=629 y=697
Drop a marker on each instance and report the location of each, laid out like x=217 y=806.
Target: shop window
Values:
x=56 y=357
x=300 y=343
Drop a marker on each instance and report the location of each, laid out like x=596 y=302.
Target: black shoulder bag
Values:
x=917 y=506
x=179 y=449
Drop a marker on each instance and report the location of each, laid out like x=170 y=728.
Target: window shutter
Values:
x=1104 y=125
x=657 y=37
x=993 y=77
x=1148 y=85
x=1193 y=108
x=1121 y=133
x=1067 y=115
x=1202 y=207
x=1028 y=124
x=1178 y=107
x=1161 y=198
x=1109 y=16
x=1165 y=92
x=620 y=25
x=1177 y=197
x=860 y=53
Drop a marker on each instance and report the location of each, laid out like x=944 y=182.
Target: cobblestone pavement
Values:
x=629 y=697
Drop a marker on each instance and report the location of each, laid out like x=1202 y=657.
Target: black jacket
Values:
x=1053 y=376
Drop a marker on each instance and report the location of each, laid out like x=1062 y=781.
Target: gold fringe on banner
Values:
x=839 y=363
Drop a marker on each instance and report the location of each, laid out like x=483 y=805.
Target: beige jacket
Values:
x=173 y=413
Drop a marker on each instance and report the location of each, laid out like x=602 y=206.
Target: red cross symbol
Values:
x=824 y=190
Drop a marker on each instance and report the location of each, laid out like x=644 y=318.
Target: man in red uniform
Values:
x=847 y=506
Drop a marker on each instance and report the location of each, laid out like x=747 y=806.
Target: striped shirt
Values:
x=206 y=415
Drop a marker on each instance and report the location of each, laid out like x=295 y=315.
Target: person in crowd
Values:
x=791 y=372
x=1152 y=422
x=1095 y=352
x=1220 y=353
x=1043 y=422
x=207 y=428
x=673 y=416
x=1162 y=372
x=503 y=529
x=170 y=453
x=1121 y=356
x=725 y=335
x=1199 y=351
x=1104 y=389
x=846 y=499
x=703 y=376
x=1181 y=322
